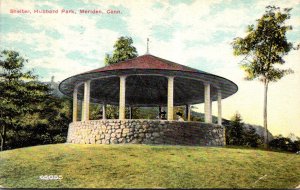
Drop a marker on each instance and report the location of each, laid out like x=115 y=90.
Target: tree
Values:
x=123 y=50
x=47 y=126
x=264 y=47
x=31 y=112
x=56 y=114
x=235 y=132
x=251 y=138
x=238 y=134
x=20 y=94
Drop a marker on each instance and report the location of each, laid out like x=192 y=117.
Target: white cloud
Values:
x=282 y=4
x=87 y=42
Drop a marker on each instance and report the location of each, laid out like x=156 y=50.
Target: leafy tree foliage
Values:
x=264 y=47
x=96 y=111
x=29 y=114
x=20 y=93
x=237 y=134
x=112 y=112
x=285 y=144
x=123 y=50
x=135 y=112
x=251 y=138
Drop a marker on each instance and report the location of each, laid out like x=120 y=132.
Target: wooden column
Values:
x=207 y=103
x=130 y=112
x=219 y=107
x=170 y=97
x=86 y=101
x=188 y=112
x=103 y=111
x=122 y=97
x=75 y=101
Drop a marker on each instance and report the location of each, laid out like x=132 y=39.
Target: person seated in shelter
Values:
x=158 y=116
x=163 y=115
x=179 y=116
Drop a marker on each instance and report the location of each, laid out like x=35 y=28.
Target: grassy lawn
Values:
x=144 y=166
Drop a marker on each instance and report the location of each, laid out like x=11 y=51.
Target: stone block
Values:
x=118 y=131
x=114 y=141
x=97 y=137
x=126 y=130
x=155 y=134
x=107 y=136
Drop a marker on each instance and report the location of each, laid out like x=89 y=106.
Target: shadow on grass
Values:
x=258 y=148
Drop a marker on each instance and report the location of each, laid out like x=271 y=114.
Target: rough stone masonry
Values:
x=140 y=131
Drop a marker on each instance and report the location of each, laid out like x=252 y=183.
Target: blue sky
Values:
x=194 y=33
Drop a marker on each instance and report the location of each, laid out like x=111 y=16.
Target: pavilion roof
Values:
x=146 y=62
x=146 y=84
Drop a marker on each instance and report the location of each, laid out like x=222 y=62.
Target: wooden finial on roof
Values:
x=147 y=52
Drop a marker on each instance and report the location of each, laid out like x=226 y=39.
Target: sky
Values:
x=195 y=33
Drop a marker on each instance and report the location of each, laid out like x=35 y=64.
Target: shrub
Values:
x=59 y=139
x=251 y=138
x=284 y=144
x=237 y=134
x=235 y=131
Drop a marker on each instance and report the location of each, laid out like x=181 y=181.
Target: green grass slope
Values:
x=137 y=166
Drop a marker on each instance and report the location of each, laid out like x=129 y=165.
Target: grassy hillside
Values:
x=146 y=166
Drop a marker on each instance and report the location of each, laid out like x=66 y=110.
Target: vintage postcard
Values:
x=149 y=94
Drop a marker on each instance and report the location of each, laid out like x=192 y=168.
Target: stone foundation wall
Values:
x=146 y=132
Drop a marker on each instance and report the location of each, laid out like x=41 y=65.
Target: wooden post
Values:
x=122 y=97
x=170 y=97
x=219 y=107
x=130 y=112
x=86 y=101
x=188 y=112
x=75 y=100
x=207 y=103
x=103 y=111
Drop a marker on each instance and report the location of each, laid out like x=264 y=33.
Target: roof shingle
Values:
x=146 y=62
